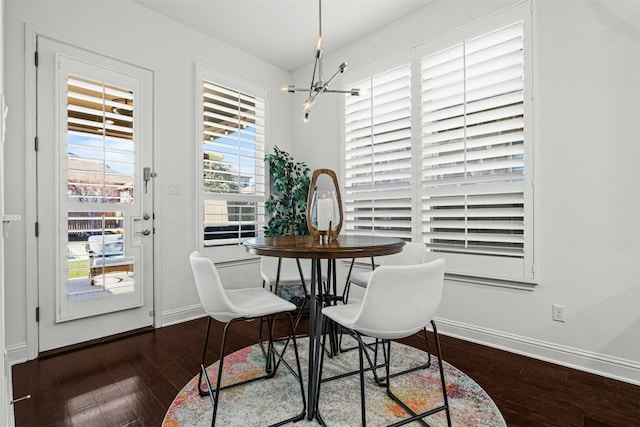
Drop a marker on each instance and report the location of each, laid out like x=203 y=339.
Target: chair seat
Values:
x=285 y=279
x=254 y=302
x=344 y=314
x=360 y=278
x=347 y=315
x=290 y=278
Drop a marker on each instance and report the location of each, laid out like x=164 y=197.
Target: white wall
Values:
x=587 y=63
x=587 y=147
x=6 y=417
x=130 y=32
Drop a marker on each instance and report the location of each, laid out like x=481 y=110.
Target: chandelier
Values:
x=319 y=86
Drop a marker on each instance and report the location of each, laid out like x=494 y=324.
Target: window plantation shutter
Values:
x=233 y=164
x=100 y=143
x=378 y=156
x=473 y=146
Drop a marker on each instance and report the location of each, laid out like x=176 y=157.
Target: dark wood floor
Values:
x=131 y=381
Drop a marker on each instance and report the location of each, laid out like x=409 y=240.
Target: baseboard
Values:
x=599 y=364
x=17 y=353
x=183 y=314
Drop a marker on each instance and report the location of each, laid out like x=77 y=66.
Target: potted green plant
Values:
x=287 y=204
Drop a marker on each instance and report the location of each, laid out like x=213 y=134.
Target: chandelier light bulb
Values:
x=306 y=107
x=318 y=47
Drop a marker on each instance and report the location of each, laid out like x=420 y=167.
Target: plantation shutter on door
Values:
x=473 y=146
x=233 y=164
x=100 y=147
x=378 y=156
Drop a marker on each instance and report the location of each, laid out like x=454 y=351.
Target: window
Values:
x=232 y=159
x=473 y=162
x=472 y=176
x=377 y=154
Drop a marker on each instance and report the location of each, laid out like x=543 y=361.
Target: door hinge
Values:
x=35 y=58
x=37 y=314
x=35 y=144
x=37 y=230
x=150 y=313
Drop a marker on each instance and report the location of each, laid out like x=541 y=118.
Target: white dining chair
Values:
x=229 y=306
x=398 y=302
x=412 y=253
x=278 y=272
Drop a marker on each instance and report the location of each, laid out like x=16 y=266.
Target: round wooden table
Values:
x=308 y=248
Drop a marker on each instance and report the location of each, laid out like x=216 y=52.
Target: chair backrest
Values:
x=288 y=269
x=400 y=300
x=412 y=253
x=212 y=295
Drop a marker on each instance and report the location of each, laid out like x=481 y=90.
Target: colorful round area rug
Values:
x=265 y=402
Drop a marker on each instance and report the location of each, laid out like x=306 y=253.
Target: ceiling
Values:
x=283 y=32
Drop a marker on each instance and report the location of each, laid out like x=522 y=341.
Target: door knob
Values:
x=144 y=232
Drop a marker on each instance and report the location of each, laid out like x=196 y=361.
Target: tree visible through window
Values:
x=233 y=132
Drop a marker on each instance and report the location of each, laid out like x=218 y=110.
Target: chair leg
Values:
x=295 y=350
x=444 y=387
x=423 y=366
x=204 y=353
x=214 y=394
x=443 y=407
x=270 y=368
x=363 y=352
x=347 y=285
x=363 y=409
x=320 y=366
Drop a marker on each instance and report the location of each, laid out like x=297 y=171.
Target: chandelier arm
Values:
x=320 y=18
x=337 y=91
x=313 y=76
x=326 y=85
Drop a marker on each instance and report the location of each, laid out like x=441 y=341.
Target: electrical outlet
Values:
x=559 y=313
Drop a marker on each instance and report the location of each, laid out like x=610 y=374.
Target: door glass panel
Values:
x=96 y=261
x=98 y=200
x=100 y=148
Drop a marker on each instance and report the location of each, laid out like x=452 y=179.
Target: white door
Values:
x=95 y=204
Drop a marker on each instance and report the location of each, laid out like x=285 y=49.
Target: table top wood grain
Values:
x=307 y=248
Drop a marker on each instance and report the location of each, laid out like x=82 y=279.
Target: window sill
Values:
x=502 y=283
x=462 y=278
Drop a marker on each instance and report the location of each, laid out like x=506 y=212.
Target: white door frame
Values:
x=31 y=243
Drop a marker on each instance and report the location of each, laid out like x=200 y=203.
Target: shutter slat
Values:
x=378 y=156
x=473 y=150
x=233 y=164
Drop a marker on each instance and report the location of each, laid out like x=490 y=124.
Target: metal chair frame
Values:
x=345 y=300
x=231 y=306
x=271 y=366
x=385 y=315
x=373 y=366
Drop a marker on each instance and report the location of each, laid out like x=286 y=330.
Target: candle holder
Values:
x=324 y=208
